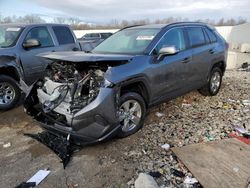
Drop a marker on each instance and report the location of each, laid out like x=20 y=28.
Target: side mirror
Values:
x=169 y=50
x=31 y=43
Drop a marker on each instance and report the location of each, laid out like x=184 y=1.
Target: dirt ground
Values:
x=101 y=165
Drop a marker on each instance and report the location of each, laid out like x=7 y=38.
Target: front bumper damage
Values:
x=96 y=122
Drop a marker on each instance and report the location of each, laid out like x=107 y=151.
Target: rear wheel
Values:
x=9 y=92
x=132 y=113
x=214 y=83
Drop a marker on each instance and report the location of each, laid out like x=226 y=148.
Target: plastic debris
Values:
x=246 y=102
x=155 y=174
x=60 y=145
x=189 y=180
x=7 y=145
x=166 y=146
x=158 y=114
x=240 y=130
x=177 y=173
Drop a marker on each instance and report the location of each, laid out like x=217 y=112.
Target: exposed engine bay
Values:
x=69 y=87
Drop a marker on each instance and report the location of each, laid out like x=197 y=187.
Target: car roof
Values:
x=161 y=26
x=32 y=24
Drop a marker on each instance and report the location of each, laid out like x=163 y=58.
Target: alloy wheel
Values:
x=130 y=115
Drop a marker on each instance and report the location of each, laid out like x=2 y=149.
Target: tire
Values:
x=9 y=92
x=136 y=118
x=214 y=84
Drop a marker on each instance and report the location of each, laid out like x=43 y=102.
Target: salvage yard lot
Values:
x=186 y=120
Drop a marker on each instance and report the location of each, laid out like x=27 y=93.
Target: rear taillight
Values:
x=227 y=45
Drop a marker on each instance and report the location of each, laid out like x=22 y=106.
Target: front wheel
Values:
x=214 y=83
x=9 y=92
x=132 y=112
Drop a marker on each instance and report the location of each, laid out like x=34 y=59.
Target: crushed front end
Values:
x=75 y=99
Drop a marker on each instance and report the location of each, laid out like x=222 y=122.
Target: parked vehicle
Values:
x=90 y=40
x=19 y=45
x=92 y=96
x=96 y=36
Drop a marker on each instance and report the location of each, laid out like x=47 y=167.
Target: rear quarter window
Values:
x=196 y=36
x=63 y=35
x=211 y=35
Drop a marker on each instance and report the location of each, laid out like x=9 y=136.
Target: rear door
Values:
x=168 y=75
x=201 y=56
x=65 y=39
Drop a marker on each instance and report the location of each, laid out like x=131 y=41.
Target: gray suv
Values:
x=92 y=96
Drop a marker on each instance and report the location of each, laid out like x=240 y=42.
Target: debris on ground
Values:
x=158 y=114
x=177 y=173
x=145 y=181
x=166 y=146
x=60 y=145
x=155 y=174
x=245 y=67
x=190 y=181
x=7 y=145
x=35 y=180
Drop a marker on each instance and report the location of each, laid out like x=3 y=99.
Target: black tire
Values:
x=207 y=89
x=138 y=98
x=17 y=93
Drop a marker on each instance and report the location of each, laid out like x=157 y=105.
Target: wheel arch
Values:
x=10 y=71
x=138 y=85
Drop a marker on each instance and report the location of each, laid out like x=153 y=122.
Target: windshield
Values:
x=128 y=41
x=9 y=36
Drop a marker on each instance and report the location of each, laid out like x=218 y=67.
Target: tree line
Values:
x=79 y=24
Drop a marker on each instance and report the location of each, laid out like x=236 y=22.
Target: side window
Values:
x=211 y=35
x=196 y=36
x=63 y=35
x=174 y=37
x=42 y=35
x=95 y=35
x=206 y=36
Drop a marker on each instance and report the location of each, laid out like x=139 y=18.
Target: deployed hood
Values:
x=85 y=57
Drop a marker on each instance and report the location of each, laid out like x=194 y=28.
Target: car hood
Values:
x=85 y=57
x=7 y=52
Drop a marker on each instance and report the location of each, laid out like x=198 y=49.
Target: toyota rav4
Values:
x=92 y=96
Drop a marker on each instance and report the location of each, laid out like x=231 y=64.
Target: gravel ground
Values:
x=186 y=120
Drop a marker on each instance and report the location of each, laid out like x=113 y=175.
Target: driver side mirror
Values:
x=30 y=43
x=169 y=50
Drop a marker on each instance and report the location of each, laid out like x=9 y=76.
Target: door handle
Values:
x=52 y=50
x=186 y=60
x=211 y=51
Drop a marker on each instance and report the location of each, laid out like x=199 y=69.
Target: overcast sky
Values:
x=105 y=10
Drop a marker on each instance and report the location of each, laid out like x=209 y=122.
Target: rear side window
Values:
x=42 y=35
x=196 y=36
x=174 y=37
x=63 y=35
x=211 y=35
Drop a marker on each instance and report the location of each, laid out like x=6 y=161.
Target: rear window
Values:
x=63 y=35
x=196 y=36
x=211 y=35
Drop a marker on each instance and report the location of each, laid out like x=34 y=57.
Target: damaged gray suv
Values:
x=92 y=96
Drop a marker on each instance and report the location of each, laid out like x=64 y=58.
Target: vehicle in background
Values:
x=90 y=40
x=92 y=96
x=19 y=46
x=95 y=36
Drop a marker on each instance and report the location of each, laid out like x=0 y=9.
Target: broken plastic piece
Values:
x=177 y=173
x=7 y=145
x=189 y=180
x=155 y=174
x=39 y=177
x=26 y=185
x=58 y=144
